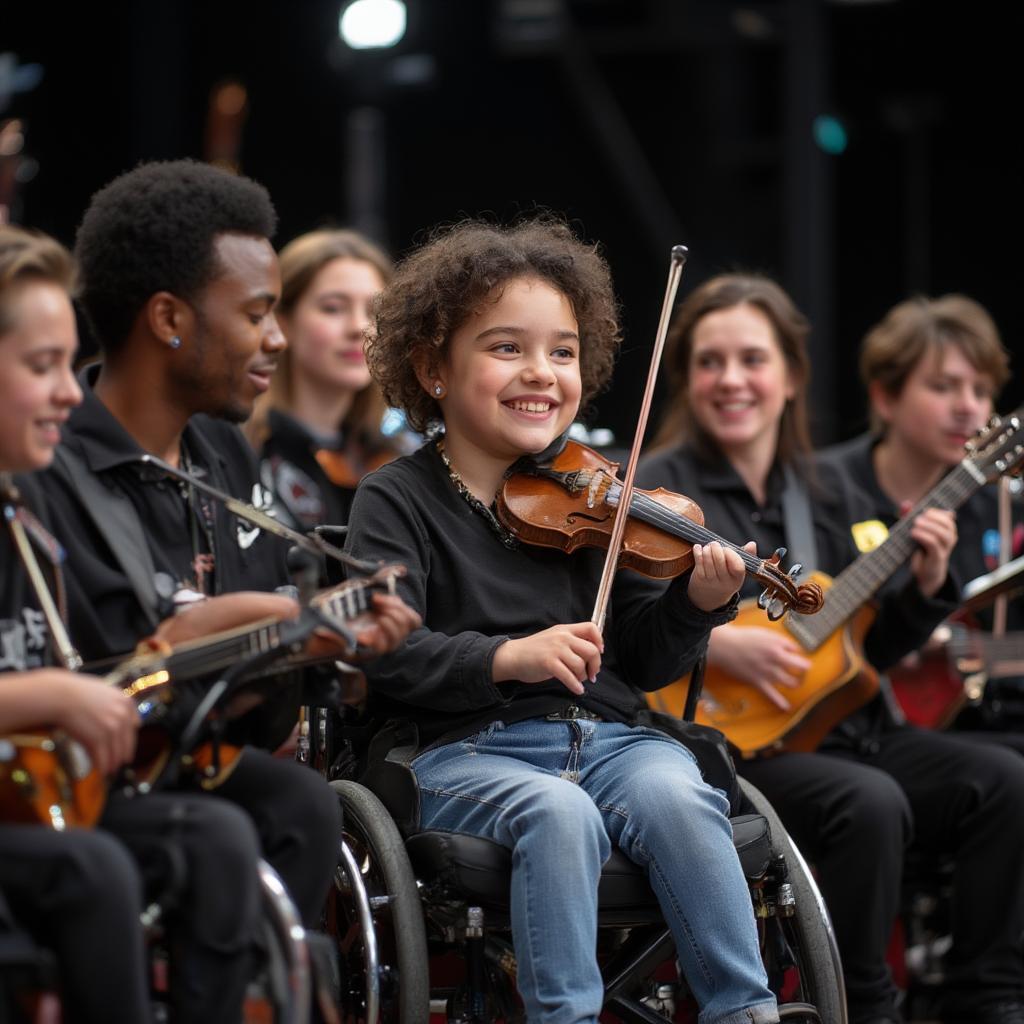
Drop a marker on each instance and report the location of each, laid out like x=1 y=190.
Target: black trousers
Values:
x=1010 y=740
x=298 y=821
x=198 y=856
x=80 y=894
x=854 y=815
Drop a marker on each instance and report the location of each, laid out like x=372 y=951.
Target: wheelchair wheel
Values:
x=374 y=913
x=812 y=940
x=281 y=989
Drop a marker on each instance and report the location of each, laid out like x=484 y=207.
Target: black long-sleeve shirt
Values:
x=304 y=496
x=905 y=617
x=474 y=593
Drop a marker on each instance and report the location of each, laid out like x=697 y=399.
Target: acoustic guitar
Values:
x=839 y=680
x=48 y=778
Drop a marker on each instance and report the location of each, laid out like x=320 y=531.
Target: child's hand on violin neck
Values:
x=718 y=573
x=571 y=654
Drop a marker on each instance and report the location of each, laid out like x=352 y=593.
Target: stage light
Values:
x=372 y=24
x=830 y=134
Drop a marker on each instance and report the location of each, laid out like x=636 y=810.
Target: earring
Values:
x=175 y=342
x=438 y=389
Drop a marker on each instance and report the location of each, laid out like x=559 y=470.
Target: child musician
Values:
x=524 y=709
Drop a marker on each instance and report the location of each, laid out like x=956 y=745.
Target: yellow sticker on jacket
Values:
x=869 y=534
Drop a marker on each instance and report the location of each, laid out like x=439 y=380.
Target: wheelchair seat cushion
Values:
x=478 y=869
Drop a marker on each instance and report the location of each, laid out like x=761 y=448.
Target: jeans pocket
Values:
x=484 y=735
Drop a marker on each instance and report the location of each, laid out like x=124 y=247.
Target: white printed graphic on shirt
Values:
x=22 y=642
x=261 y=500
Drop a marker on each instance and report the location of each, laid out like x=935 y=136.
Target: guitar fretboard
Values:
x=188 y=663
x=861 y=580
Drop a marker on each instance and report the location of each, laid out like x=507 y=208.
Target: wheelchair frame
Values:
x=389 y=920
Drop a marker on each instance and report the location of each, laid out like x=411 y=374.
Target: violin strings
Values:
x=651 y=512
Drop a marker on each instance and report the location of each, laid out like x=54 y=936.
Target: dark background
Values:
x=646 y=122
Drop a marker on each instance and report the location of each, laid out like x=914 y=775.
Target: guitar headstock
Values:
x=782 y=592
x=998 y=448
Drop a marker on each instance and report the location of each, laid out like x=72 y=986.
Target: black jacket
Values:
x=905 y=619
x=111 y=618
x=133 y=547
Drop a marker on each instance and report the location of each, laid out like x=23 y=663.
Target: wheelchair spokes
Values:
x=373 y=913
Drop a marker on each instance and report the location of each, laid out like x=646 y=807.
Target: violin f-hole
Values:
x=573 y=517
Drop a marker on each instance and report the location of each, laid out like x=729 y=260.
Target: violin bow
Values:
x=675 y=271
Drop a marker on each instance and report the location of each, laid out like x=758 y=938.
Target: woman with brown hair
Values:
x=736 y=442
x=318 y=429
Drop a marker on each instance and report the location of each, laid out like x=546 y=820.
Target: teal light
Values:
x=830 y=134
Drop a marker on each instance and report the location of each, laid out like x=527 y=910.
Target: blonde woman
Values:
x=318 y=429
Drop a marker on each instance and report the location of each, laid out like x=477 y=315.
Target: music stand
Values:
x=983 y=590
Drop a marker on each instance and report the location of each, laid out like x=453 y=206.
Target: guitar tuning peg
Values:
x=1000 y=465
x=775 y=610
x=795 y=570
x=777 y=556
x=763 y=599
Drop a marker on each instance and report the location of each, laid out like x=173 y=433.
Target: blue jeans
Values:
x=559 y=795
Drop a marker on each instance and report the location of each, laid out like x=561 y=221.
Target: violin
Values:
x=571 y=501
x=345 y=470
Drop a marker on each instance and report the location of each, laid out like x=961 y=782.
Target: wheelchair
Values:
x=421 y=919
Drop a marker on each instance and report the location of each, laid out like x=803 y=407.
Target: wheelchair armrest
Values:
x=390 y=778
x=394 y=784
x=752 y=837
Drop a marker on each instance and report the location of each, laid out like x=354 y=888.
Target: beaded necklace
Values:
x=504 y=535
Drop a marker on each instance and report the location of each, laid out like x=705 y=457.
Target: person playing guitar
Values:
x=180 y=284
x=932 y=369
x=79 y=892
x=735 y=441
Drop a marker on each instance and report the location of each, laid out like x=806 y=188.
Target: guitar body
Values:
x=954 y=671
x=47 y=779
x=838 y=682
x=213 y=763
x=932 y=693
